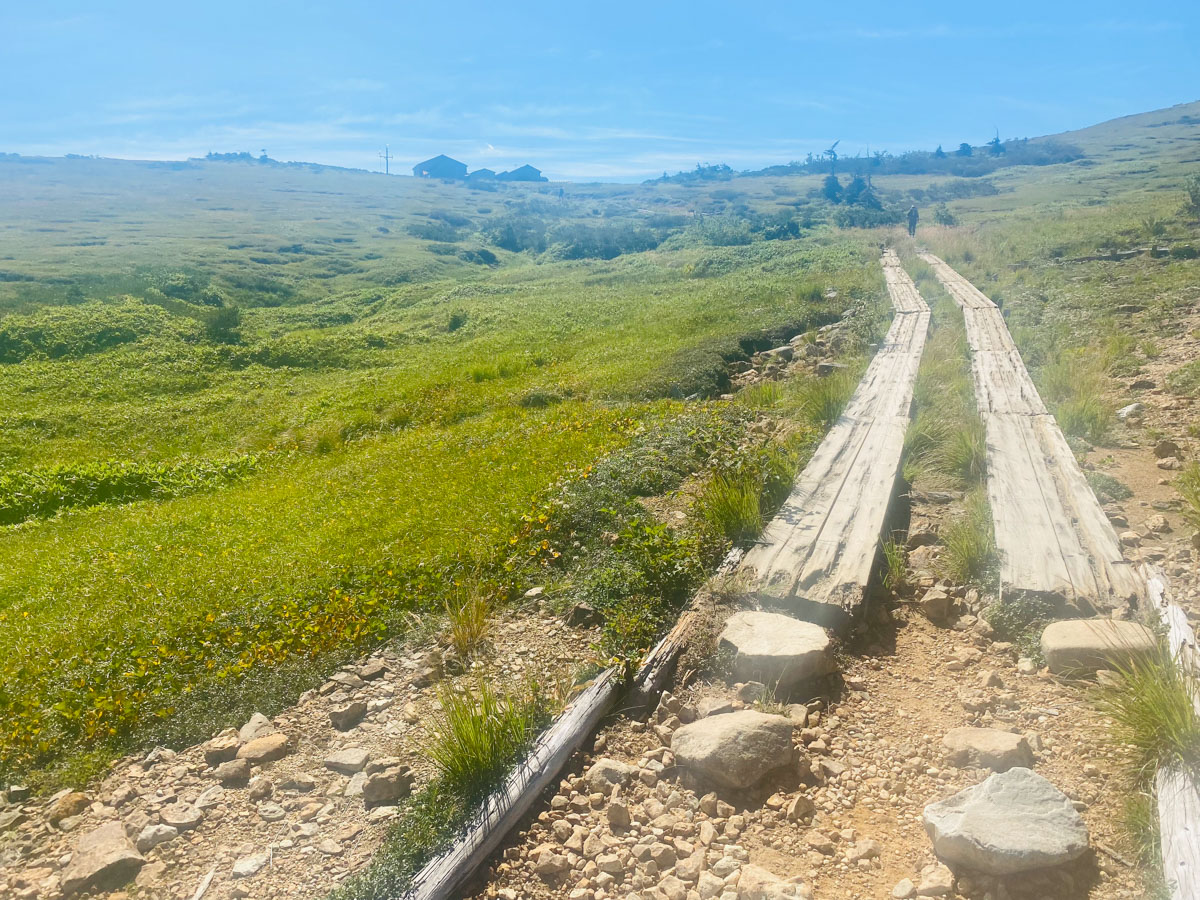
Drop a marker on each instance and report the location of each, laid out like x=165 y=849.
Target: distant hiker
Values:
x=912 y=220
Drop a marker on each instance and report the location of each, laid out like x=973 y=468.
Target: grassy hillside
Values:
x=253 y=417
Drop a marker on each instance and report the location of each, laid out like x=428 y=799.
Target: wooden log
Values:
x=1178 y=801
x=1054 y=539
x=1177 y=793
x=816 y=556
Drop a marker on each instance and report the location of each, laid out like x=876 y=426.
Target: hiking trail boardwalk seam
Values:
x=815 y=557
x=1053 y=537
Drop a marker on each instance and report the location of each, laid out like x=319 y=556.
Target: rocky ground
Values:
x=827 y=797
x=282 y=807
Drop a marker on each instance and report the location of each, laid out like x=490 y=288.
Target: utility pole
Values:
x=386 y=157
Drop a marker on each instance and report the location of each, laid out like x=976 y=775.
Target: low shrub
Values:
x=39 y=493
x=1020 y=620
x=1107 y=488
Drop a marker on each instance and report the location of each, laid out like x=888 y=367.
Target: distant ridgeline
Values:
x=964 y=161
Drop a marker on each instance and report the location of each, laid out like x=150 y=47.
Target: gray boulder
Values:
x=104 y=860
x=1084 y=645
x=1014 y=821
x=777 y=650
x=605 y=772
x=734 y=750
x=987 y=748
x=255 y=728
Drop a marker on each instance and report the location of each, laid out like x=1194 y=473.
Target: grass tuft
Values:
x=821 y=400
x=467 y=622
x=895 y=566
x=1086 y=417
x=747 y=489
x=964 y=453
x=970 y=543
x=479 y=733
x=731 y=507
x=1153 y=710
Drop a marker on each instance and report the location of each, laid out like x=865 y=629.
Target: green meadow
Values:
x=255 y=419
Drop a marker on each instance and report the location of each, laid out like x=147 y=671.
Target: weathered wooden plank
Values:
x=1052 y=534
x=815 y=558
x=1177 y=793
x=1178 y=801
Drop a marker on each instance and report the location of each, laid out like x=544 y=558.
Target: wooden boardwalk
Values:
x=1053 y=537
x=815 y=557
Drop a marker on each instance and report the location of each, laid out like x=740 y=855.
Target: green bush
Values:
x=1106 y=488
x=1021 y=620
x=38 y=493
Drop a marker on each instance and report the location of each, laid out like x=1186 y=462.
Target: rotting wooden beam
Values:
x=1053 y=537
x=815 y=557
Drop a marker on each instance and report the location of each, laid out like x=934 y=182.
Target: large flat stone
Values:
x=104 y=860
x=1078 y=646
x=1014 y=821
x=987 y=748
x=777 y=650
x=263 y=749
x=734 y=750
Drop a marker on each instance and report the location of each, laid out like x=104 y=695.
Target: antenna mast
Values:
x=386 y=157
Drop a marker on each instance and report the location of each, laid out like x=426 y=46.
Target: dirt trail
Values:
x=639 y=816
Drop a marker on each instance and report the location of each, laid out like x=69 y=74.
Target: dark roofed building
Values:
x=525 y=173
x=482 y=175
x=441 y=166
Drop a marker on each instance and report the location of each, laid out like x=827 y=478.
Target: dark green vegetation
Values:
x=1021 y=621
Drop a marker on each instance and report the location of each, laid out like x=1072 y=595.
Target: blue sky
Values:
x=607 y=90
